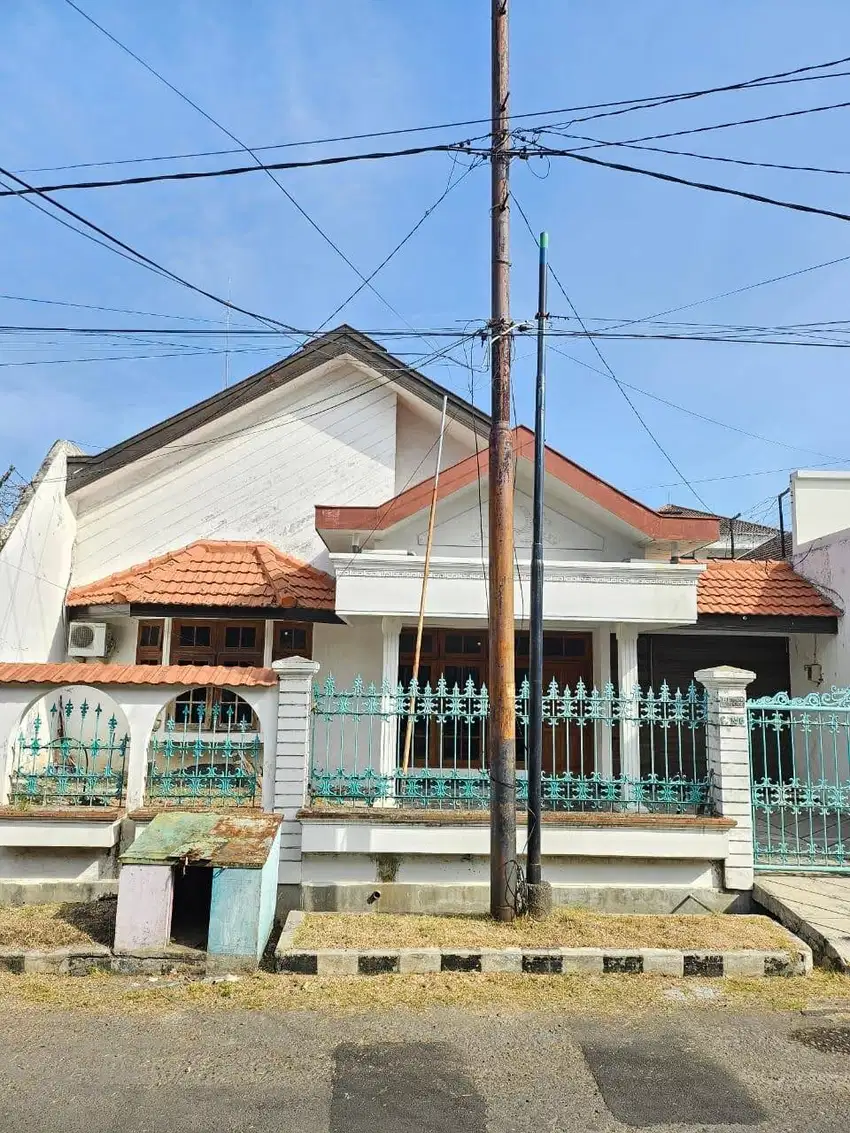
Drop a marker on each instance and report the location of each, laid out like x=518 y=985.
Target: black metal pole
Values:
x=732 y=535
x=539 y=896
x=781 y=524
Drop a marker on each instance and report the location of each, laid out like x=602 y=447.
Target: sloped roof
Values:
x=742 y=526
x=78 y=673
x=343 y=340
x=771 y=588
x=214 y=573
x=652 y=523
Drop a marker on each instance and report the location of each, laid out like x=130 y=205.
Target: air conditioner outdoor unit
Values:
x=87 y=639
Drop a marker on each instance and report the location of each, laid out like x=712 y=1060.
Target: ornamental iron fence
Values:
x=206 y=750
x=70 y=754
x=358 y=735
x=800 y=767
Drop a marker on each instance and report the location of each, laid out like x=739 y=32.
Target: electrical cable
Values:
x=601 y=357
x=261 y=167
x=128 y=252
x=713 y=157
x=185 y=98
x=631 y=103
x=706 y=186
x=694 y=413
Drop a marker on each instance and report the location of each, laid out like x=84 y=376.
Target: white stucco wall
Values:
x=346 y=652
x=826 y=562
x=820 y=505
x=327 y=438
x=416 y=452
x=35 y=565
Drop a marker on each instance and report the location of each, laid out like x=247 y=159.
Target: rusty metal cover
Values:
x=228 y=840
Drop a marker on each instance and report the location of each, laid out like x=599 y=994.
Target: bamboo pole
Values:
x=411 y=711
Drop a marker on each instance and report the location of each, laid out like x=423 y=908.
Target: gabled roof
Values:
x=758 y=589
x=214 y=573
x=344 y=340
x=654 y=524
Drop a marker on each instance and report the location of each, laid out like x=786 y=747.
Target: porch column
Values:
x=292 y=759
x=391 y=628
x=166 y=641
x=728 y=765
x=627 y=667
x=601 y=678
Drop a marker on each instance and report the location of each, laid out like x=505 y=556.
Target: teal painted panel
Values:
x=235 y=913
x=268 y=894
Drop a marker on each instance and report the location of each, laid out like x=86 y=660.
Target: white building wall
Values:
x=820 y=505
x=346 y=652
x=256 y=474
x=416 y=449
x=35 y=565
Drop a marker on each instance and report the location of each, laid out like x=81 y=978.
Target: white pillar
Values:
x=627 y=672
x=268 y=643
x=166 y=641
x=391 y=628
x=728 y=759
x=292 y=762
x=601 y=678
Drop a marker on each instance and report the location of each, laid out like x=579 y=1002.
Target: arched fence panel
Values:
x=206 y=748
x=70 y=749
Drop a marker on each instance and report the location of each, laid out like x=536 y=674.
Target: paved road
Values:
x=446 y=1072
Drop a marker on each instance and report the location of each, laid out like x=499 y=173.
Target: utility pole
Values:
x=504 y=873
x=539 y=894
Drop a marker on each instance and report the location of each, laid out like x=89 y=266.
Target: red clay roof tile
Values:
x=728 y=586
x=215 y=573
x=77 y=673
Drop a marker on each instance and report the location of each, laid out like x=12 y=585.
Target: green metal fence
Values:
x=358 y=737
x=206 y=753
x=800 y=766
x=72 y=754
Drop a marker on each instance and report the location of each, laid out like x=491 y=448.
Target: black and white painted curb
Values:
x=797 y=961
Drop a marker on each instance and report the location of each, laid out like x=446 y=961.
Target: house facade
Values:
x=286 y=518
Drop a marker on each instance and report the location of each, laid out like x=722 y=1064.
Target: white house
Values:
x=286 y=517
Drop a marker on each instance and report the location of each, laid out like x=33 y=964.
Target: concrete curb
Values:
x=82 y=959
x=797 y=961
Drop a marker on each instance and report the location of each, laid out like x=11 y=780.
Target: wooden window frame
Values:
x=150 y=654
x=216 y=653
x=280 y=652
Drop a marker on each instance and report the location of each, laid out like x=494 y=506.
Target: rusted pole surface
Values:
x=502 y=732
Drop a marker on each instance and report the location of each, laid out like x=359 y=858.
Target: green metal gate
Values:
x=800 y=772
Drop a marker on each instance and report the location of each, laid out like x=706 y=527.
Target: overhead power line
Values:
x=100 y=307
x=759 y=198
x=229 y=133
x=614 y=377
x=260 y=167
x=128 y=252
x=798 y=75
x=695 y=413
x=714 y=157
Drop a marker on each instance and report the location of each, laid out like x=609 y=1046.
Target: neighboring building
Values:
x=737 y=539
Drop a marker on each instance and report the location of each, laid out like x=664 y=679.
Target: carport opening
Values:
x=190 y=914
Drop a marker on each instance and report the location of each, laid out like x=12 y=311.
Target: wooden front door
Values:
x=459 y=655
x=567 y=659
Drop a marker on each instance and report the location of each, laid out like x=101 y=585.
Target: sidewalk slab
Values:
x=815 y=908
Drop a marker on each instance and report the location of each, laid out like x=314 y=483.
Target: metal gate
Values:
x=800 y=772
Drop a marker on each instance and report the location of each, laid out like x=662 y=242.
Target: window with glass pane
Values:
x=292 y=639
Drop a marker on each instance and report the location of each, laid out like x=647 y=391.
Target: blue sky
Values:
x=624 y=246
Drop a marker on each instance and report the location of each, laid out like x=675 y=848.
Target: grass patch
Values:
x=44 y=927
x=565 y=928
x=625 y=996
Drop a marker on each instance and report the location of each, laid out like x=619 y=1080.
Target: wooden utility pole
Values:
x=502 y=735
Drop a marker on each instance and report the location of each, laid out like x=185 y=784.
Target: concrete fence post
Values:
x=728 y=759
x=292 y=762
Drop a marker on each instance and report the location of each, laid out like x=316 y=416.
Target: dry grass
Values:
x=43 y=927
x=612 y=995
x=565 y=928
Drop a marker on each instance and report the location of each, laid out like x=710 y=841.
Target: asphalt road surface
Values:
x=441 y=1072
